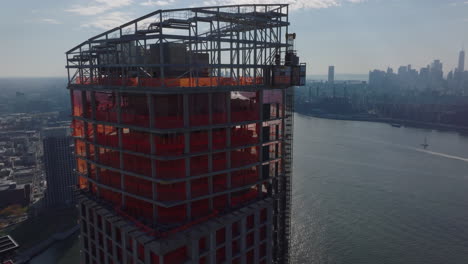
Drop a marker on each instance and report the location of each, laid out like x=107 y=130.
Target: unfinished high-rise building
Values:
x=182 y=122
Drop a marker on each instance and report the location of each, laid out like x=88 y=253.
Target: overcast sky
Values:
x=354 y=35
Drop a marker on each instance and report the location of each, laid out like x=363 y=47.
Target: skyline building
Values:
x=331 y=74
x=59 y=164
x=183 y=122
x=461 y=61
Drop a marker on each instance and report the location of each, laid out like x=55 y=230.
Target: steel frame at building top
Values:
x=241 y=41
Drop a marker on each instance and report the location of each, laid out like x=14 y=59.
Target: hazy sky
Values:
x=353 y=35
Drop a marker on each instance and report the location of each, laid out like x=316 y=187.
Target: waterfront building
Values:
x=182 y=122
x=59 y=164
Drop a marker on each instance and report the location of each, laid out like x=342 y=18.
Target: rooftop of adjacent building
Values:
x=62 y=131
x=10 y=185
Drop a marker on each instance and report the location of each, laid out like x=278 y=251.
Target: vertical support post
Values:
x=161 y=52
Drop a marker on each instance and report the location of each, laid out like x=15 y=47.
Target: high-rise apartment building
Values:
x=182 y=122
x=59 y=164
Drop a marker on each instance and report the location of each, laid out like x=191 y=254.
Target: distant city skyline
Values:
x=353 y=35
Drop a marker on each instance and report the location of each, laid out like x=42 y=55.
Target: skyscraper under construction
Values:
x=182 y=122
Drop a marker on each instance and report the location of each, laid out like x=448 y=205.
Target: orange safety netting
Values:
x=219 y=183
x=243 y=136
x=137 y=164
x=136 y=141
x=174 y=82
x=221 y=255
x=170 y=144
x=219 y=161
x=198 y=165
x=220 y=202
x=199 y=187
x=243 y=178
x=171 y=192
x=200 y=208
x=243 y=197
x=243 y=157
x=138 y=186
x=110 y=178
x=170 y=169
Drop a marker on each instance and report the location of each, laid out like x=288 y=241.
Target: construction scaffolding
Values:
x=185 y=115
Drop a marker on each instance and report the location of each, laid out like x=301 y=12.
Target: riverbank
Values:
x=408 y=123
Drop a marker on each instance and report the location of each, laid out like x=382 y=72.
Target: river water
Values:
x=367 y=193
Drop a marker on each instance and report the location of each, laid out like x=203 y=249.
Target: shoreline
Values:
x=403 y=122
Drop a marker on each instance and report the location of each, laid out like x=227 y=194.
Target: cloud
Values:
x=458 y=3
x=108 y=21
x=96 y=7
x=293 y=4
x=158 y=3
x=50 y=21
